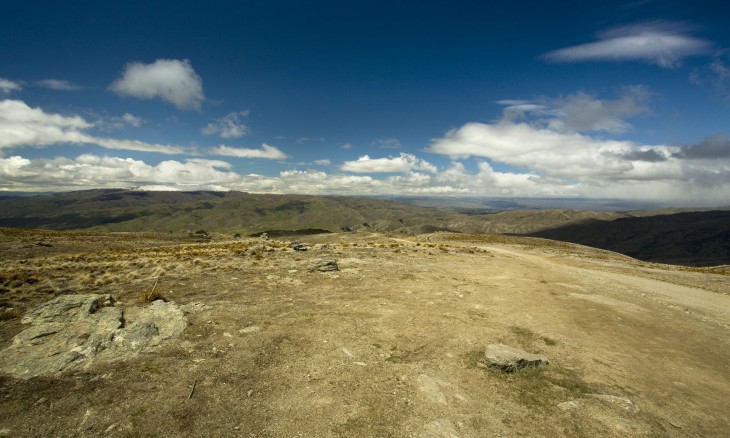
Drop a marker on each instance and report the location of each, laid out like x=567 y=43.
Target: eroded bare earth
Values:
x=389 y=345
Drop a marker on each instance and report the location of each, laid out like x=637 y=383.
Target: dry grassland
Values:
x=389 y=345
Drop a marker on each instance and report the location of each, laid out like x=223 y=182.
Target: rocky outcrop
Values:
x=323 y=265
x=509 y=359
x=74 y=331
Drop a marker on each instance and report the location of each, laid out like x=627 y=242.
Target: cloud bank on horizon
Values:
x=576 y=143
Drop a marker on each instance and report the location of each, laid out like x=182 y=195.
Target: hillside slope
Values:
x=391 y=345
x=696 y=238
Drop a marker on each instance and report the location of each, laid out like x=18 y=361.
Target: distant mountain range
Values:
x=667 y=235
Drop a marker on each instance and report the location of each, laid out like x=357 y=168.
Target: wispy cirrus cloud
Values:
x=57 y=84
x=656 y=42
x=7 y=86
x=228 y=126
x=582 y=112
x=715 y=75
x=171 y=80
x=387 y=143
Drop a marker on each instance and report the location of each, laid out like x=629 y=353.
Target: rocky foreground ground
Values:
x=257 y=338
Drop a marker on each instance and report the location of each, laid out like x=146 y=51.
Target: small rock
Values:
x=442 y=428
x=620 y=401
x=323 y=265
x=571 y=404
x=45 y=244
x=509 y=359
x=299 y=246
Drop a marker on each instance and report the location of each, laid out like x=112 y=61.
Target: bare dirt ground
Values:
x=387 y=346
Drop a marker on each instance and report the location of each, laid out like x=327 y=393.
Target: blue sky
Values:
x=568 y=99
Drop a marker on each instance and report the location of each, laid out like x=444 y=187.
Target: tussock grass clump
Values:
x=8 y=314
x=150 y=296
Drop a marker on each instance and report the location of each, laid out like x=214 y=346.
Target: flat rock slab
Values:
x=510 y=359
x=74 y=331
x=324 y=265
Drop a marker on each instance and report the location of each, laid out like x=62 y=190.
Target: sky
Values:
x=580 y=99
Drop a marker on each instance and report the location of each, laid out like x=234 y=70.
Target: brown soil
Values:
x=388 y=346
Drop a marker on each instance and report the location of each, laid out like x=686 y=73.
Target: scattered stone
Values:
x=264 y=236
x=74 y=331
x=432 y=388
x=509 y=359
x=45 y=244
x=250 y=329
x=569 y=405
x=299 y=246
x=442 y=428
x=620 y=401
x=194 y=307
x=323 y=265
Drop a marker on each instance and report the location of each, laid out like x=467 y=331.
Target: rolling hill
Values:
x=696 y=238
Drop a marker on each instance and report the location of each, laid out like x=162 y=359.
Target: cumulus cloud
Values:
x=88 y=170
x=400 y=164
x=556 y=154
x=690 y=181
x=229 y=126
x=171 y=80
x=57 y=84
x=318 y=182
x=21 y=126
x=266 y=151
x=552 y=163
x=662 y=43
x=717 y=146
x=7 y=86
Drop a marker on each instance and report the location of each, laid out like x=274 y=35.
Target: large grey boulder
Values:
x=509 y=359
x=74 y=331
x=324 y=265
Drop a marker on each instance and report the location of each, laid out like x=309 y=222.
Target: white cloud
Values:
x=7 y=86
x=229 y=126
x=387 y=143
x=132 y=120
x=696 y=181
x=266 y=151
x=119 y=122
x=552 y=153
x=711 y=148
x=324 y=162
x=346 y=146
x=93 y=171
x=171 y=80
x=582 y=112
x=660 y=43
x=21 y=126
x=571 y=164
x=57 y=84
x=400 y=164
x=317 y=182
